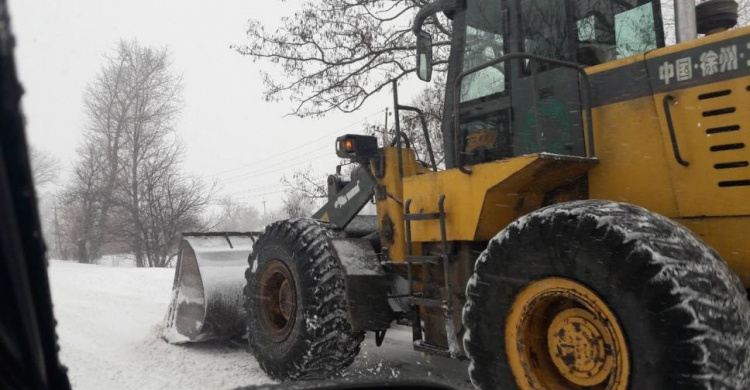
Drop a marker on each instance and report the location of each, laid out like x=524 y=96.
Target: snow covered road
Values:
x=108 y=324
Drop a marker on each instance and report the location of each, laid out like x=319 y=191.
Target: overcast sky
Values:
x=230 y=133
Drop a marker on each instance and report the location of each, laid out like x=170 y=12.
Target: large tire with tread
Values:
x=316 y=341
x=684 y=314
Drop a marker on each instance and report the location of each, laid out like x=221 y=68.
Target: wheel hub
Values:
x=277 y=303
x=578 y=346
x=559 y=334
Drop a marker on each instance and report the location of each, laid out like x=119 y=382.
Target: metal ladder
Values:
x=417 y=299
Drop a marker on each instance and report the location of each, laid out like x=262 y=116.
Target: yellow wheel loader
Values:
x=590 y=230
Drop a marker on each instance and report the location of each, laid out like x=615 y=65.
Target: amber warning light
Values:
x=356 y=147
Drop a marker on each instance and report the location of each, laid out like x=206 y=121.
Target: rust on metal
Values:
x=277 y=303
x=561 y=334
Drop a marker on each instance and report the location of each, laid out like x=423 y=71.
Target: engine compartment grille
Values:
x=726 y=136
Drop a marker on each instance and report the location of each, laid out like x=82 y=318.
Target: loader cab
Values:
x=523 y=106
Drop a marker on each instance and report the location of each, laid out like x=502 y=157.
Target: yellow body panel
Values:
x=464 y=198
x=633 y=157
x=479 y=205
x=697 y=186
x=392 y=206
x=633 y=143
x=638 y=164
x=730 y=237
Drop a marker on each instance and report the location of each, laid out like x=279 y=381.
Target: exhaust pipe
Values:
x=715 y=16
x=708 y=17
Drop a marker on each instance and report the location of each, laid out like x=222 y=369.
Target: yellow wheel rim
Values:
x=560 y=335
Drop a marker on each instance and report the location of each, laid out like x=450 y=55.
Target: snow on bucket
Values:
x=207 y=291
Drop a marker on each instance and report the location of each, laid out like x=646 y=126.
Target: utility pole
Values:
x=58 y=243
x=264 y=206
x=385 y=129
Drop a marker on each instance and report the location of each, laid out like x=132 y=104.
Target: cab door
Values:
x=546 y=99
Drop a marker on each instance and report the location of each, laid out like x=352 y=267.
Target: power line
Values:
x=277 y=169
x=302 y=145
x=246 y=197
x=272 y=187
x=285 y=163
x=256 y=189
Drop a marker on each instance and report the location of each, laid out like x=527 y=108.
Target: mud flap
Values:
x=207 y=291
x=366 y=285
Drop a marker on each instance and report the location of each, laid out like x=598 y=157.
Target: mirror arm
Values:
x=431 y=9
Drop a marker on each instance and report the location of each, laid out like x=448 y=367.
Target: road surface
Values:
x=109 y=322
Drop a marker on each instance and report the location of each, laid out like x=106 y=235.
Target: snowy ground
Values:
x=108 y=324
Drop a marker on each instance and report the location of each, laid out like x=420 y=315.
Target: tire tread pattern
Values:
x=701 y=295
x=331 y=345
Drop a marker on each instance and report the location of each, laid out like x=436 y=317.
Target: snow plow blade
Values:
x=207 y=291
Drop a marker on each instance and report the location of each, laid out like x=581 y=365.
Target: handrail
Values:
x=404 y=137
x=672 y=135
x=512 y=56
x=425 y=130
x=401 y=135
x=397 y=124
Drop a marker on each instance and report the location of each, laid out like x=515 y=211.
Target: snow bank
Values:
x=109 y=324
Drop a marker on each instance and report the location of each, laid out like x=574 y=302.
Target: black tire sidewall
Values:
x=321 y=342
x=278 y=353
x=584 y=250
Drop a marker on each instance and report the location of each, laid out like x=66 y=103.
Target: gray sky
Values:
x=230 y=133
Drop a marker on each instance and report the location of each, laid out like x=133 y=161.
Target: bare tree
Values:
x=81 y=204
x=743 y=12
x=170 y=204
x=334 y=54
x=296 y=205
x=44 y=167
x=305 y=182
x=128 y=186
x=234 y=216
x=149 y=150
x=109 y=101
x=272 y=216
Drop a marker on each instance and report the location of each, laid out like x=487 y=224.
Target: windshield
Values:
x=483 y=42
x=504 y=110
x=600 y=31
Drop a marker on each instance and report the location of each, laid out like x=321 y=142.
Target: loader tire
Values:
x=296 y=305
x=604 y=295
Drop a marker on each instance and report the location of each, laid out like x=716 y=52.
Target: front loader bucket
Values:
x=207 y=290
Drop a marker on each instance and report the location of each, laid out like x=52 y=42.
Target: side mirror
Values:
x=424 y=56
